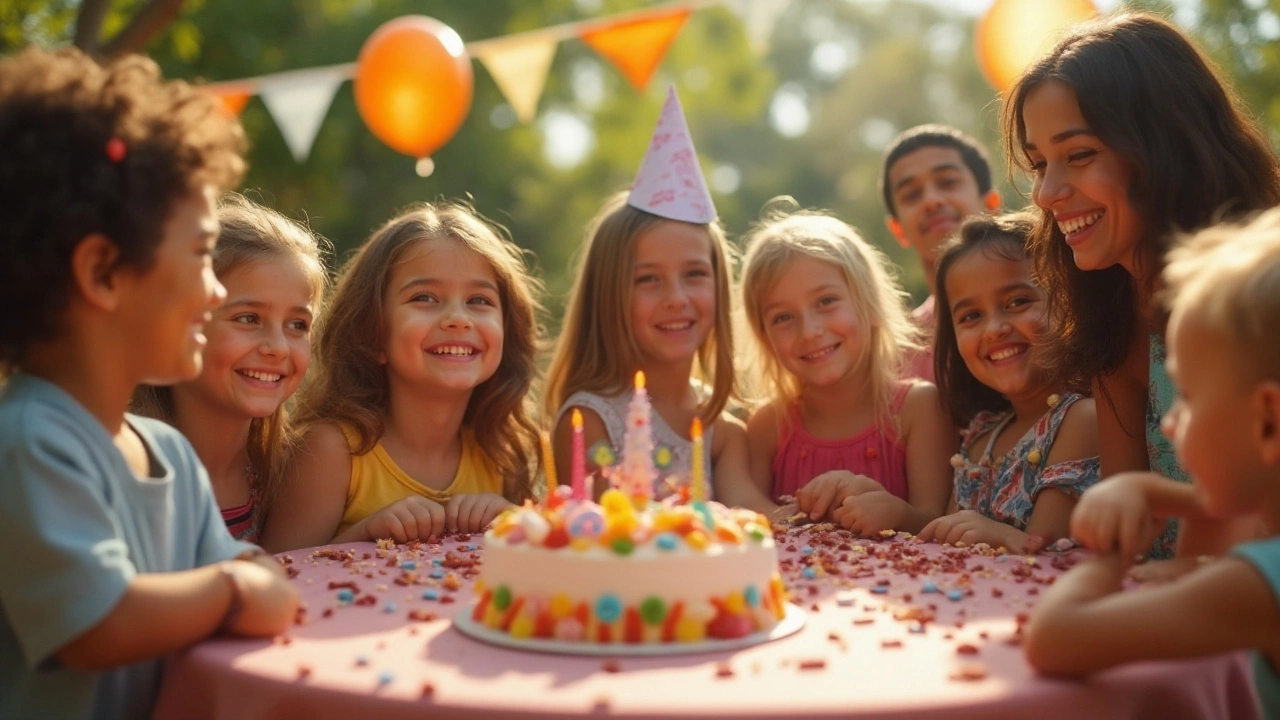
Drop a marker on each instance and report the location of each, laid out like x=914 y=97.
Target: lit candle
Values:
x=638 y=472
x=697 y=476
x=548 y=462
x=578 y=468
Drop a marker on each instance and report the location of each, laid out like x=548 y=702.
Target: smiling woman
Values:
x=1131 y=138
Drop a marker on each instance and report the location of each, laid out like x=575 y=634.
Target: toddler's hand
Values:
x=828 y=491
x=411 y=518
x=1158 y=572
x=1113 y=516
x=868 y=513
x=269 y=602
x=473 y=512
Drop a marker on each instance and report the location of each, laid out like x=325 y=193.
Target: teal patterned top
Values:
x=1160 y=454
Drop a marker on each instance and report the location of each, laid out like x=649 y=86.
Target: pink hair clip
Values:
x=116 y=150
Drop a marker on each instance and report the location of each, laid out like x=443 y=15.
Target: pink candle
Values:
x=578 y=472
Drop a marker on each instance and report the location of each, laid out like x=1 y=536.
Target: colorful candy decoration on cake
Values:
x=626 y=521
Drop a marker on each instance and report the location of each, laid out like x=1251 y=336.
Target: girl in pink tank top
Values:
x=843 y=434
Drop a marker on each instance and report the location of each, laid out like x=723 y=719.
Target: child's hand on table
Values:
x=827 y=491
x=472 y=512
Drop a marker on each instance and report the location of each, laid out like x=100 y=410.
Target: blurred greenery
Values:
x=852 y=73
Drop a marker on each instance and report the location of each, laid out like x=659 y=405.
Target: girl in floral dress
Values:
x=1029 y=449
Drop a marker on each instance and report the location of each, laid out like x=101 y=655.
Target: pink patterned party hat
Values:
x=670 y=183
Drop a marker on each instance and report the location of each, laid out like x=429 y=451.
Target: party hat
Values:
x=670 y=183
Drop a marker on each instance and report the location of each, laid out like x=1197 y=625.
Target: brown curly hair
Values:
x=351 y=388
x=58 y=113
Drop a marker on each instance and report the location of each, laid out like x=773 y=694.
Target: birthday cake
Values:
x=630 y=569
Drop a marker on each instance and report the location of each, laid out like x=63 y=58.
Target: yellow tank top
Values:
x=376 y=480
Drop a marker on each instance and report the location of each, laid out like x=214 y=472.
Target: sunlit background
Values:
x=808 y=113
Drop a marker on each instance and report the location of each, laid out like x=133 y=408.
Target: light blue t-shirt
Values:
x=75 y=526
x=1264 y=556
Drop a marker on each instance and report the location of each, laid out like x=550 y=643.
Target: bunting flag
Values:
x=298 y=101
x=759 y=17
x=234 y=96
x=519 y=65
x=636 y=46
x=634 y=42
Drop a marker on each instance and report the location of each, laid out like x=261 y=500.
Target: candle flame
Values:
x=639 y=379
x=577 y=419
x=696 y=432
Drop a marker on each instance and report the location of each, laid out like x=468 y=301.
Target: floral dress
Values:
x=1005 y=488
x=1161 y=457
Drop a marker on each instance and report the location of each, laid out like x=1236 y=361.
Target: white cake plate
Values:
x=793 y=619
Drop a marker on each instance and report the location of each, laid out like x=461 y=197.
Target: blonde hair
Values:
x=1230 y=276
x=787 y=234
x=597 y=351
x=354 y=392
x=252 y=233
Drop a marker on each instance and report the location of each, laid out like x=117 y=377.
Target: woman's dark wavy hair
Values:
x=351 y=388
x=1197 y=157
x=1005 y=237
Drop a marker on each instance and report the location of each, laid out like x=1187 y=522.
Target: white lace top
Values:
x=613 y=412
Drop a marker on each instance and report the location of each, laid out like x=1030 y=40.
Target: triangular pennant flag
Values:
x=759 y=17
x=519 y=65
x=298 y=102
x=232 y=96
x=670 y=183
x=636 y=47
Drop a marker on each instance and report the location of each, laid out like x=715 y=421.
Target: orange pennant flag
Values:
x=233 y=97
x=636 y=47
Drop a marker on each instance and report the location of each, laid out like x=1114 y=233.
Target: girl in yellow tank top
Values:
x=418 y=422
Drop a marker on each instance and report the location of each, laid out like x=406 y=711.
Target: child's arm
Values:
x=762 y=446
x=593 y=431
x=314 y=494
x=931 y=441
x=732 y=470
x=1083 y=625
x=160 y=613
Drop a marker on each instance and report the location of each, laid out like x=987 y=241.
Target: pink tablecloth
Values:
x=876 y=644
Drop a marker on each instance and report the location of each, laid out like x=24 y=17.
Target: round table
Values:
x=895 y=628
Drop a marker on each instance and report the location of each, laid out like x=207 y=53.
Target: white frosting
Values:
x=681 y=574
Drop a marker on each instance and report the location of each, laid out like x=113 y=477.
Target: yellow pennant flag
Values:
x=519 y=65
x=636 y=46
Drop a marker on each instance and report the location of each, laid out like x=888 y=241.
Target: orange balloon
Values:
x=1014 y=33
x=413 y=84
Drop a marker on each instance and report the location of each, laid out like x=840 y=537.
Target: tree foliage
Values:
x=857 y=73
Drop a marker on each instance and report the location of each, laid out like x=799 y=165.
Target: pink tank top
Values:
x=874 y=452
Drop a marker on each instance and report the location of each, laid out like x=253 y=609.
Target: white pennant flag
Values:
x=519 y=65
x=299 y=101
x=759 y=18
